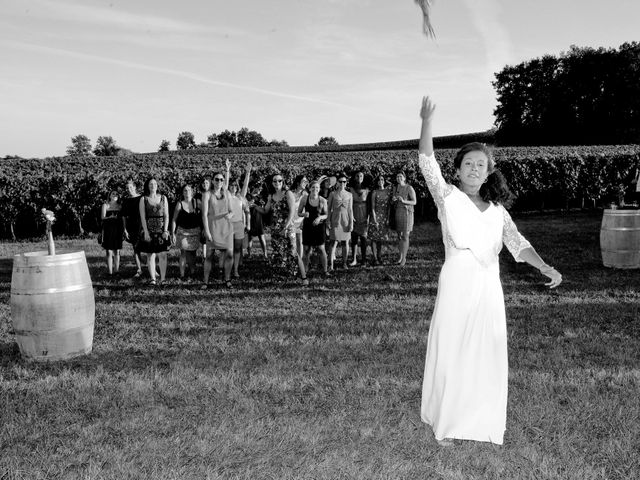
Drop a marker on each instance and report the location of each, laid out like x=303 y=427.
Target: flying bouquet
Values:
x=425 y=5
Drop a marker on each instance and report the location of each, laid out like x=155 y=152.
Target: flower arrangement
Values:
x=49 y=217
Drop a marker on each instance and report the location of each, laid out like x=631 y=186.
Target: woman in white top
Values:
x=464 y=394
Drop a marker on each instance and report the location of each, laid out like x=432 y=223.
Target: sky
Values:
x=142 y=71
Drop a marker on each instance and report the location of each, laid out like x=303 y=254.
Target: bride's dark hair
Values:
x=495 y=189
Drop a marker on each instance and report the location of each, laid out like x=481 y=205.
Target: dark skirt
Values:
x=112 y=233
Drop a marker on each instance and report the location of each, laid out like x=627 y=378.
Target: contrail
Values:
x=188 y=75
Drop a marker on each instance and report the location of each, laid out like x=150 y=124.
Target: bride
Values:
x=464 y=392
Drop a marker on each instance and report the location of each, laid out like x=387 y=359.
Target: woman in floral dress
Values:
x=154 y=217
x=379 y=218
x=284 y=256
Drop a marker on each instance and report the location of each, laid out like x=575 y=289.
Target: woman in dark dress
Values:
x=112 y=231
x=154 y=217
x=313 y=208
x=186 y=227
x=258 y=221
x=130 y=214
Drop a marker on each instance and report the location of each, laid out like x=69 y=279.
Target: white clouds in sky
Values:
x=486 y=18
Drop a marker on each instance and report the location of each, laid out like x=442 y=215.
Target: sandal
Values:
x=152 y=282
x=228 y=285
x=305 y=281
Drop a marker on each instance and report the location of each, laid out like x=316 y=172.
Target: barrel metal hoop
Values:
x=47 y=264
x=68 y=288
x=621 y=229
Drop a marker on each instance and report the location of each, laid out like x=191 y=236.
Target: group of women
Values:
x=319 y=216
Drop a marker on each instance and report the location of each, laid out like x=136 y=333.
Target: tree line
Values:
x=106 y=146
x=584 y=96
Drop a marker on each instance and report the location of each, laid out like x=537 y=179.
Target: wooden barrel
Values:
x=620 y=238
x=52 y=305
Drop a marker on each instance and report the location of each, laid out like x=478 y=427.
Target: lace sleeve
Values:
x=436 y=183
x=512 y=238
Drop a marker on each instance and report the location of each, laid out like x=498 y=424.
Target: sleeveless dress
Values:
x=282 y=239
x=131 y=212
x=219 y=225
x=112 y=230
x=464 y=392
x=312 y=235
x=404 y=213
x=188 y=227
x=340 y=215
x=155 y=225
x=360 y=212
x=256 y=222
x=380 y=232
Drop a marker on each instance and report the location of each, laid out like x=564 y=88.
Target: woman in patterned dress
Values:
x=112 y=232
x=186 y=228
x=360 y=194
x=154 y=218
x=284 y=256
x=464 y=392
x=379 y=218
x=403 y=201
x=340 y=211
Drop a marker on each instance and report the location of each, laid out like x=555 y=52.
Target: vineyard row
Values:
x=541 y=177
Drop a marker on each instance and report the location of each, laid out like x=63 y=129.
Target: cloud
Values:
x=183 y=74
x=485 y=15
x=109 y=17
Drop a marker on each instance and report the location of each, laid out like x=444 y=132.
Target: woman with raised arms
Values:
x=464 y=393
x=218 y=229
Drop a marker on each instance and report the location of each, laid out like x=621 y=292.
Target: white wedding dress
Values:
x=464 y=392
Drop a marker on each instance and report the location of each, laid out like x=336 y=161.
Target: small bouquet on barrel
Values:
x=49 y=218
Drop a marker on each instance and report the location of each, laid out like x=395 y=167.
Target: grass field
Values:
x=276 y=381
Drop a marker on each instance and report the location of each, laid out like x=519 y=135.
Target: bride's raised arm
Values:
x=430 y=169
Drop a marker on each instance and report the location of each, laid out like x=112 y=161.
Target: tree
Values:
x=583 y=96
x=80 y=146
x=327 y=141
x=186 y=141
x=106 y=147
x=165 y=146
x=249 y=138
x=278 y=143
x=212 y=140
x=227 y=139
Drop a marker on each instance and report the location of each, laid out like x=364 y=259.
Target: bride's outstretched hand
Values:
x=428 y=107
x=553 y=274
